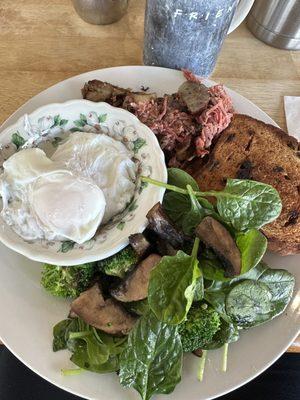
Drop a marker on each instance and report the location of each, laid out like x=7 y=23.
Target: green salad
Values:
x=190 y=283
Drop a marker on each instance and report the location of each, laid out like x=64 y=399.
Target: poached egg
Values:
x=104 y=160
x=88 y=180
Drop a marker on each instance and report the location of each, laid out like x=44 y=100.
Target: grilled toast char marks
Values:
x=251 y=149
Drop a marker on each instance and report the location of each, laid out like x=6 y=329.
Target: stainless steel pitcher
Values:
x=276 y=22
x=101 y=12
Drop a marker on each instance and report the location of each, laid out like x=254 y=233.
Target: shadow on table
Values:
x=279 y=382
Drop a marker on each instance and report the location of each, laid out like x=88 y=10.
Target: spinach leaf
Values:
x=187 y=211
x=252 y=246
x=215 y=295
x=199 y=289
x=138 y=307
x=216 y=291
x=247 y=204
x=254 y=273
x=82 y=358
x=91 y=349
x=206 y=204
x=152 y=360
x=244 y=204
x=97 y=351
x=61 y=334
x=180 y=178
x=281 y=285
x=176 y=205
x=227 y=333
x=213 y=269
x=207 y=284
x=195 y=214
x=78 y=326
x=199 y=208
x=172 y=286
x=249 y=303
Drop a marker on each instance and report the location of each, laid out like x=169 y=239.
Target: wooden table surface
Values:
x=42 y=43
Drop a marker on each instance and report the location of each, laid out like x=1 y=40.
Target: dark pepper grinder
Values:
x=186 y=33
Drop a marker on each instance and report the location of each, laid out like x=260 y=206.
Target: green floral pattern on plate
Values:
x=57 y=128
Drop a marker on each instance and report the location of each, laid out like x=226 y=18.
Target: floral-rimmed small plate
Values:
x=45 y=128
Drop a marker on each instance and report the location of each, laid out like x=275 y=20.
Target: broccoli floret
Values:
x=199 y=328
x=120 y=263
x=67 y=281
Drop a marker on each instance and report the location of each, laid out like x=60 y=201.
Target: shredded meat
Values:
x=184 y=128
x=171 y=125
x=215 y=118
x=178 y=130
x=189 y=76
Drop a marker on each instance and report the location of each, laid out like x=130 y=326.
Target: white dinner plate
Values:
x=28 y=313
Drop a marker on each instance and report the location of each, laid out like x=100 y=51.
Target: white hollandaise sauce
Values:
x=89 y=179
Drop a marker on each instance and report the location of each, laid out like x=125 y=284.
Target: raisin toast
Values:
x=251 y=149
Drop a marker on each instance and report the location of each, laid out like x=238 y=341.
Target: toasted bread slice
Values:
x=251 y=149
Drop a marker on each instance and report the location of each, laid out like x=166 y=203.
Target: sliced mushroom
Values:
x=139 y=243
x=194 y=95
x=106 y=315
x=217 y=237
x=142 y=97
x=158 y=245
x=175 y=102
x=161 y=224
x=164 y=248
x=96 y=90
x=135 y=287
